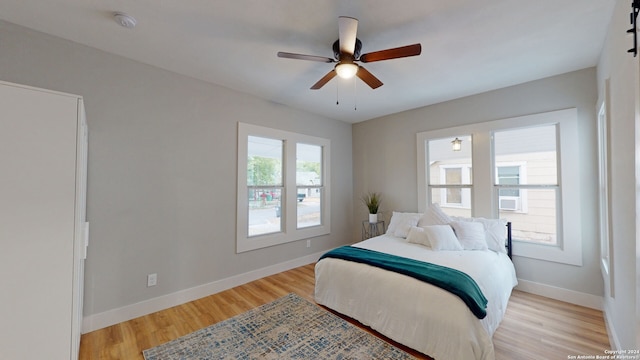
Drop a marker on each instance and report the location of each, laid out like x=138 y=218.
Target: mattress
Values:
x=417 y=314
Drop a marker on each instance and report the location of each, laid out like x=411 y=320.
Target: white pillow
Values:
x=470 y=234
x=434 y=216
x=401 y=223
x=441 y=237
x=417 y=235
x=495 y=232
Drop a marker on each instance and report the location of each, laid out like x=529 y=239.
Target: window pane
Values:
x=454 y=196
x=532 y=150
x=453 y=176
x=264 y=211
x=264 y=168
x=309 y=207
x=309 y=173
x=264 y=161
x=443 y=157
x=509 y=175
x=308 y=164
x=536 y=218
x=462 y=195
x=528 y=157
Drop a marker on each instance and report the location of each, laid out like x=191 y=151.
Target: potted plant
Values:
x=372 y=200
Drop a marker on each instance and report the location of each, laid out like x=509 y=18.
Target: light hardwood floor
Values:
x=534 y=327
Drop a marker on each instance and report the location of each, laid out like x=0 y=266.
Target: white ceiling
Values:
x=468 y=46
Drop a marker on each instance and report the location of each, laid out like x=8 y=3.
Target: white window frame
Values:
x=604 y=213
x=568 y=249
x=289 y=201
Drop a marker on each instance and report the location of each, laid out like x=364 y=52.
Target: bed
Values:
x=414 y=313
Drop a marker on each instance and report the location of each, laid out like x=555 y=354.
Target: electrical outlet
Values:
x=308 y=243
x=152 y=280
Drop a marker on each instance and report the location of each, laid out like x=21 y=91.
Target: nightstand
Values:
x=370 y=230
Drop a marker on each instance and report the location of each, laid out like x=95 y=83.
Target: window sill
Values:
x=569 y=255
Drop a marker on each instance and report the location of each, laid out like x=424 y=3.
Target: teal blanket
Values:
x=452 y=280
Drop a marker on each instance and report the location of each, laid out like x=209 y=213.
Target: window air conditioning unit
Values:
x=509 y=203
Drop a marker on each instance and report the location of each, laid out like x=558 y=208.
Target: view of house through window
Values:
x=526 y=180
x=450 y=175
x=453 y=176
x=523 y=169
x=526 y=169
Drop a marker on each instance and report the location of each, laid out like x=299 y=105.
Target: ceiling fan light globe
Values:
x=346 y=71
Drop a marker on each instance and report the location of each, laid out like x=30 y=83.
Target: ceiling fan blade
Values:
x=395 y=53
x=368 y=78
x=325 y=79
x=348 y=29
x=305 y=57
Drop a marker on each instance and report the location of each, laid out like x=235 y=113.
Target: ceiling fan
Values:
x=346 y=52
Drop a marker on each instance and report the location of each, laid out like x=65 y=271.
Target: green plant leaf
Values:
x=372 y=201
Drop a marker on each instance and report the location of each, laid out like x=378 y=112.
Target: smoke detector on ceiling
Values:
x=125 y=20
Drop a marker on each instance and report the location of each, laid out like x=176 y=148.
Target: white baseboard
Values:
x=115 y=316
x=570 y=296
x=613 y=336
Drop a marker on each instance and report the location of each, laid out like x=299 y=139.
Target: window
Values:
x=606 y=255
x=309 y=185
x=264 y=184
x=528 y=191
x=283 y=194
x=450 y=175
x=522 y=169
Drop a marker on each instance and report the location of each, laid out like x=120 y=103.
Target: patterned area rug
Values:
x=288 y=328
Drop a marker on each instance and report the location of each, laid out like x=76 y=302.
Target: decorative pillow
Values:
x=441 y=237
x=417 y=235
x=495 y=232
x=434 y=216
x=470 y=234
x=401 y=223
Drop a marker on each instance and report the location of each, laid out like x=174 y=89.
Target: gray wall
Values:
x=162 y=168
x=621 y=69
x=384 y=158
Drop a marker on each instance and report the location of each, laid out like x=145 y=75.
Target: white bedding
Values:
x=416 y=314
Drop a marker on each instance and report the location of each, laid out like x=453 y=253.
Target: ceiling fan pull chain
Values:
x=337 y=92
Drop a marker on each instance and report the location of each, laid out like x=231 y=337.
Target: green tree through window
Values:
x=264 y=171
